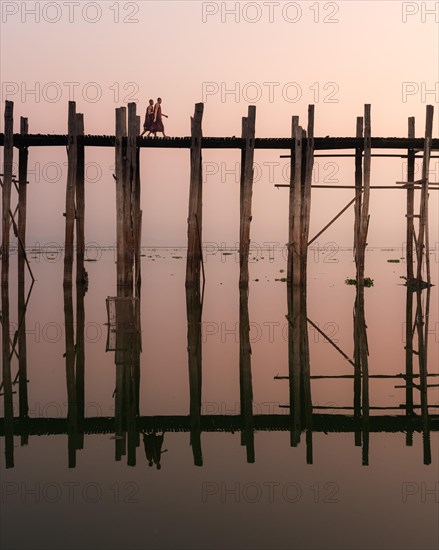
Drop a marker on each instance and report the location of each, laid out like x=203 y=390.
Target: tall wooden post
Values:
x=308 y=155
x=423 y=236
x=130 y=211
x=8 y=154
x=246 y=191
x=80 y=202
x=137 y=217
x=358 y=188
x=294 y=232
x=120 y=166
x=22 y=200
x=410 y=201
x=364 y=216
x=194 y=251
x=70 y=194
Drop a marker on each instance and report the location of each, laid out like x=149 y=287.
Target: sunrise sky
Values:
x=280 y=56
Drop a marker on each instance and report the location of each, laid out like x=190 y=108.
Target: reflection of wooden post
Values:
x=410 y=201
x=80 y=363
x=409 y=357
x=245 y=376
x=70 y=376
x=294 y=362
x=361 y=353
x=193 y=309
x=421 y=321
x=6 y=379
x=70 y=194
x=120 y=152
x=80 y=202
x=306 y=374
x=195 y=201
x=137 y=216
x=247 y=157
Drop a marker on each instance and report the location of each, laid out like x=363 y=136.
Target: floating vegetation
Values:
x=282 y=280
x=227 y=253
x=393 y=261
x=367 y=282
x=177 y=257
x=281 y=270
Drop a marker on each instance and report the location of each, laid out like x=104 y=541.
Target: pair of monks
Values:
x=153 y=119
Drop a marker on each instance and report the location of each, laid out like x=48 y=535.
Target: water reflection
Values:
x=130 y=430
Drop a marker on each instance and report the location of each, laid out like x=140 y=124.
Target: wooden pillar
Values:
x=8 y=154
x=130 y=192
x=80 y=202
x=358 y=190
x=21 y=338
x=22 y=200
x=308 y=155
x=246 y=191
x=364 y=219
x=194 y=251
x=138 y=218
x=423 y=236
x=294 y=233
x=245 y=377
x=410 y=201
x=120 y=166
x=70 y=194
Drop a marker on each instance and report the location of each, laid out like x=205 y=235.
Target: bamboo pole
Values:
x=80 y=202
x=246 y=191
x=8 y=154
x=195 y=201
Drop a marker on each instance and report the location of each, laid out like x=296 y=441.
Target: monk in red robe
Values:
x=149 y=119
x=158 y=123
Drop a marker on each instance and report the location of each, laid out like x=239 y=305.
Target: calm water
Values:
x=267 y=480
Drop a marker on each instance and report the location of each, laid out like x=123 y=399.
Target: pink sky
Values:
x=364 y=52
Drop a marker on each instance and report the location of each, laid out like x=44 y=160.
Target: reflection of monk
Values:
x=153 y=448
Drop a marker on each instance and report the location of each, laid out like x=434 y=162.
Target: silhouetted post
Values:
x=308 y=158
x=137 y=217
x=194 y=251
x=294 y=231
x=364 y=220
x=120 y=168
x=423 y=236
x=358 y=190
x=422 y=320
x=22 y=200
x=245 y=377
x=80 y=202
x=70 y=193
x=130 y=194
x=8 y=154
x=410 y=201
x=246 y=191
